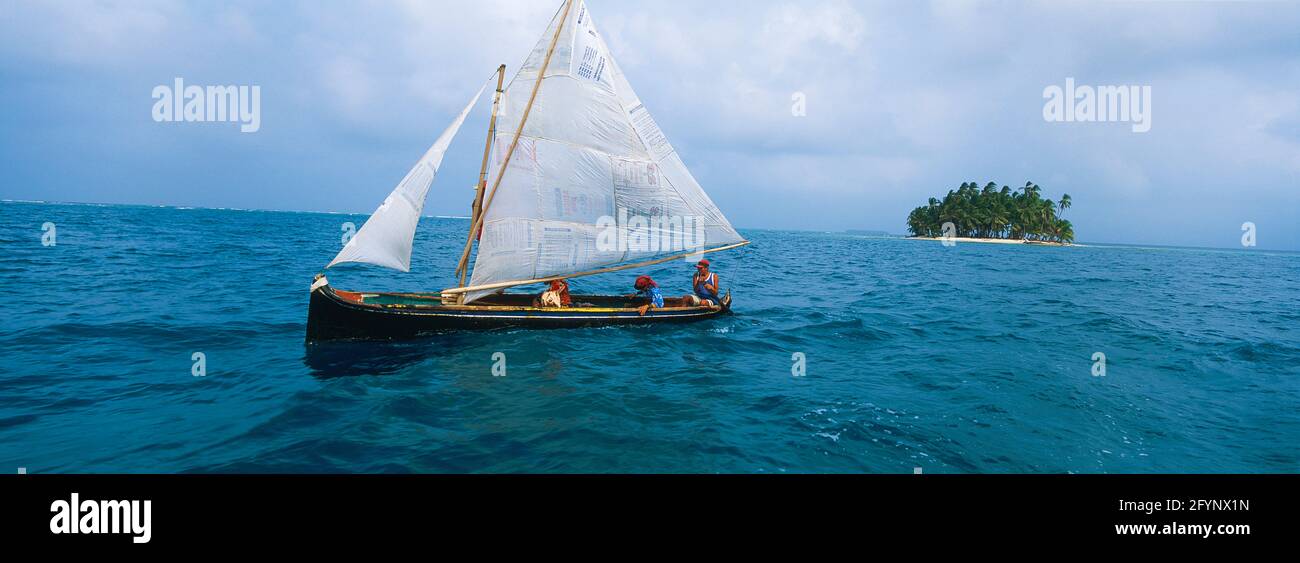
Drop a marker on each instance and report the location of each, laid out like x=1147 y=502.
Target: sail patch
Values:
x=592 y=66
x=649 y=131
x=588 y=60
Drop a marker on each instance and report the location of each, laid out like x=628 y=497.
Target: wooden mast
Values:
x=541 y=75
x=461 y=268
x=457 y=295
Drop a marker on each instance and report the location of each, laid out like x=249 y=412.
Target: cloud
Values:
x=793 y=32
x=87 y=33
x=904 y=100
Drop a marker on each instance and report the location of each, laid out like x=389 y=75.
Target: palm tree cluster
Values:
x=994 y=213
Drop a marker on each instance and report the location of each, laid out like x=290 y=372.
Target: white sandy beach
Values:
x=993 y=241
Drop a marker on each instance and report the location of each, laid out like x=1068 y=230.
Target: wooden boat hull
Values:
x=344 y=315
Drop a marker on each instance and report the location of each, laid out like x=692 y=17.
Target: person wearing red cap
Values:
x=556 y=296
x=648 y=290
x=706 y=285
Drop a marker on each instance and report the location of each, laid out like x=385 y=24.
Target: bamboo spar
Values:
x=541 y=75
x=461 y=291
x=477 y=210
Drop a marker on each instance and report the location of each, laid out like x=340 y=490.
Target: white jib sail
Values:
x=590 y=154
x=386 y=238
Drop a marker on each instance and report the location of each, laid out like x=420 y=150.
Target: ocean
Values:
x=978 y=358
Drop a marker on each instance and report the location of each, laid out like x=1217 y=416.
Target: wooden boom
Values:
x=503 y=285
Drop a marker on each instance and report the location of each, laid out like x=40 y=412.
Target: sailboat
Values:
x=576 y=180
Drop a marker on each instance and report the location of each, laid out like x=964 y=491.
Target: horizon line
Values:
x=460 y=218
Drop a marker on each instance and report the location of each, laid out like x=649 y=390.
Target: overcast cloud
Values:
x=905 y=100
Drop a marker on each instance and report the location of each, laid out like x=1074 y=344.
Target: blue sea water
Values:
x=977 y=358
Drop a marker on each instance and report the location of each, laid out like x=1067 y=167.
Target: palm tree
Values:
x=997 y=220
x=916 y=223
x=993 y=212
x=1046 y=217
x=1066 y=232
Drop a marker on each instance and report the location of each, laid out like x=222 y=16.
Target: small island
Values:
x=991 y=214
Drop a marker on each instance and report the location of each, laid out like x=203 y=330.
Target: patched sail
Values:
x=593 y=182
x=386 y=238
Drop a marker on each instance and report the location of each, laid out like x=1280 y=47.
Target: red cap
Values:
x=702 y=263
x=644 y=282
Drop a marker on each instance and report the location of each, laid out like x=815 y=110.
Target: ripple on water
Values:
x=975 y=359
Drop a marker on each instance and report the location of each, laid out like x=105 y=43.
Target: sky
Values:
x=903 y=100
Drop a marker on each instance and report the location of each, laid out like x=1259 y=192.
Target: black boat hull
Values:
x=339 y=315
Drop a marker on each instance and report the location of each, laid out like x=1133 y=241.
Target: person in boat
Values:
x=706 y=285
x=557 y=296
x=648 y=290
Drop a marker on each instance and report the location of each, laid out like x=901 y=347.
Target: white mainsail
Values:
x=589 y=152
x=386 y=238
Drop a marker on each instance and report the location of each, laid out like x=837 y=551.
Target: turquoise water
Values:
x=977 y=358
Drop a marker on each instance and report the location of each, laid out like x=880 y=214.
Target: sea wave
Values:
x=977 y=358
